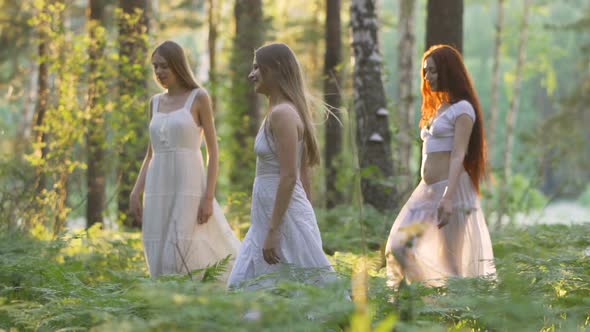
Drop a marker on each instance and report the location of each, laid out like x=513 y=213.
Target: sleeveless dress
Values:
x=417 y=249
x=174 y=243
x=300 y=248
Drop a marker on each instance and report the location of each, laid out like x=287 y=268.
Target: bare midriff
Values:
x=435 y=166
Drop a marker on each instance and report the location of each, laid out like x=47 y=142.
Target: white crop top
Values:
x=439 y=136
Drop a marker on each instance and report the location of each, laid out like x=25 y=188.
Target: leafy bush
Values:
x=518 y=194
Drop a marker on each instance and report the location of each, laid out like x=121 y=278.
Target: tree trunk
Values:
x=406 y=70
x=372 y=117
x=95 y=136
x=512 y=115
x=132 y=97
x=515 y=101
x=333 y=100
x=444 y=23
x=42 y=104
x=492 y=135
x=245 y=115
x=213 y=13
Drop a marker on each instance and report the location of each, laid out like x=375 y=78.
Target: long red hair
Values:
x=454 y=85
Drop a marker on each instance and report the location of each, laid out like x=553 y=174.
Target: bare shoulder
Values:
x=202 y=97
x=283 y=114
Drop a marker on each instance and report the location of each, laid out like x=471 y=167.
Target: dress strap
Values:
x=190 y=99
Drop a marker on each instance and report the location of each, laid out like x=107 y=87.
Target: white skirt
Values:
x=419 y=251
x=300 y=247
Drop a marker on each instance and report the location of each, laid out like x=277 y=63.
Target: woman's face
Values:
x=257 y=79
x=164 y=74
x=431 y=73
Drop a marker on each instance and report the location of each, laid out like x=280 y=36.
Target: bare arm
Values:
x=135 y=197
x=283 y=122
x=205 y=114
x=306 y=179
x=463 y=127
x=140 y=182
x=284 y=125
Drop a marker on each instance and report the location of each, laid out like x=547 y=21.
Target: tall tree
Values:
x=515 y=100
x=333 y=100
x=372 y=117
x=406 y=70
x=444 y=23
x=245 y=115
x=492 y=135
x=512 y=114
x=42 y=95
x=213 y=13
x=95 y=130
x=133 y=25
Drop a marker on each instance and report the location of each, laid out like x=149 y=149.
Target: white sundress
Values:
x=300 y=247
x=174 y=243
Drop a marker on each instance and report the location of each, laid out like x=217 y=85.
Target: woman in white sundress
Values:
x=284 y=233
x=441 y=232
x=183 y=227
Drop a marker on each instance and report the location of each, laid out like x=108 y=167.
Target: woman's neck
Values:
x=176 y=90
x=276 y=97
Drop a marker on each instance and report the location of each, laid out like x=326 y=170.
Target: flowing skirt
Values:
x=300 y=247
x=174 y=243
x=419 y=251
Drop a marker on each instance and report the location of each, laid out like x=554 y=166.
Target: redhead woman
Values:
x=441 y=232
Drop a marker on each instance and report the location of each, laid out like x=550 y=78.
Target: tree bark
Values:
x=245 y=114
x=42 y=103
x=95 y=137
x=333 y=100
x=372 y=117
x=492 y=135
x=213 y=13
x=406 y=70
x=444 y=23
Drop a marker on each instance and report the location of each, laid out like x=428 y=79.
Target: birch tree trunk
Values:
x=406 y=70
x=492 y=136
x=372 y=117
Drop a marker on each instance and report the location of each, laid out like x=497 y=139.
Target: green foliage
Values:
x=345 y=229
x=98 y=280
x=518 y=194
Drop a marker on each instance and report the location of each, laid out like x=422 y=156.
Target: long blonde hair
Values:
x=280 y=62
x=178 y=63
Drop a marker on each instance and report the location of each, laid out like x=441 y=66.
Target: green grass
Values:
x=98 y=281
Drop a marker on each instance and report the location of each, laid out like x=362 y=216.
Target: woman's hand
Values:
x=271 y=245
x=135 y=207
x=445 y=208
x=205 y=210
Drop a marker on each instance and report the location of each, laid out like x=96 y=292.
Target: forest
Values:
x=75 y=90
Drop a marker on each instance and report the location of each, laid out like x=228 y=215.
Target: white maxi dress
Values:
x=300 y=249
x=174 y=243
